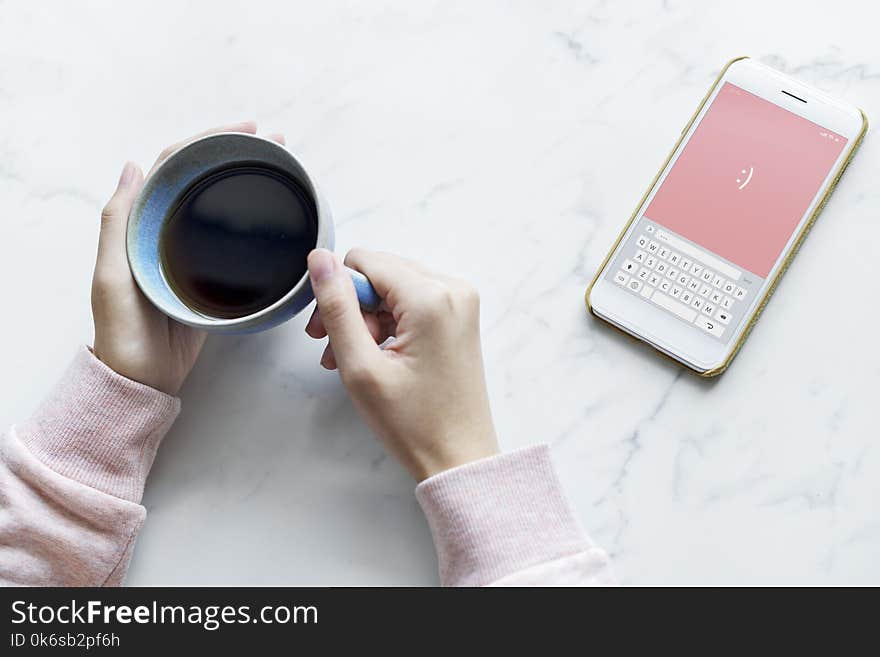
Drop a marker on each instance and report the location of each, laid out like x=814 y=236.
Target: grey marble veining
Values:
x=506 y=141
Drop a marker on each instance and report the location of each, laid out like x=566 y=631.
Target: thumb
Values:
x=350 y=338
x=114 y=217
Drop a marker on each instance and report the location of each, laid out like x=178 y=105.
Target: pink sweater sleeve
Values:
x=504 y=521
x=71 y=478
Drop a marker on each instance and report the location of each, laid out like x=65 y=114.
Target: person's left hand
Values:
x=133 y=337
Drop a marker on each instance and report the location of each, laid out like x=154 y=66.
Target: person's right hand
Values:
x=424 y=394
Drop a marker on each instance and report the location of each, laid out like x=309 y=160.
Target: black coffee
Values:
x=238 y=239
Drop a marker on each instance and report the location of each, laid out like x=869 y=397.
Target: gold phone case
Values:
x=788 y=258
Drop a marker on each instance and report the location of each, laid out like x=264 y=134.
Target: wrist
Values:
x=137 y=367
x=433 y=462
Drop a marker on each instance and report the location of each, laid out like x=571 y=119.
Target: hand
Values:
x=424 y=394
x=133 y=337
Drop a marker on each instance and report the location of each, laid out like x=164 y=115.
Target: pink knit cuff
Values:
x=496 y=516
x=100 y=428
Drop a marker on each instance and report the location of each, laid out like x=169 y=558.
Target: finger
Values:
x=353 y=345
x=277 y=136
x=114 y=217
x=249 y=127
x=315 y=327
x=376 y=327
x=388 y=325
x=373 y=326
x=328 y=359
x=362 y=256
x=396 y=279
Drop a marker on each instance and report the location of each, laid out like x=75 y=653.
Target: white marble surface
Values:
x=504 y=141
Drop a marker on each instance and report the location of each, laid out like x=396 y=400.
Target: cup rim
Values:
x=209 y=322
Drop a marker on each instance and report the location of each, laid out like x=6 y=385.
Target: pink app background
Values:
x=701 y=200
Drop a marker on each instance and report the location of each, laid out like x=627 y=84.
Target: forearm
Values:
x=71 y=478
x=504 y=521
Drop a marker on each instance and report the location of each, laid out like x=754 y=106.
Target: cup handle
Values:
x=366 y=293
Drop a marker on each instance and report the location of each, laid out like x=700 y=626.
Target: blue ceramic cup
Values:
x=167 y=185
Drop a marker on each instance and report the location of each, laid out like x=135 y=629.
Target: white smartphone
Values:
x=720 y=223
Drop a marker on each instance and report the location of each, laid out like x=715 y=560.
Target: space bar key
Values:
x=687 y=314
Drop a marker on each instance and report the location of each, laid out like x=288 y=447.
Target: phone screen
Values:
x=723 y=215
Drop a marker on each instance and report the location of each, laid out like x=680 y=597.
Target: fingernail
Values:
x=127 y=174
x=322 y=265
